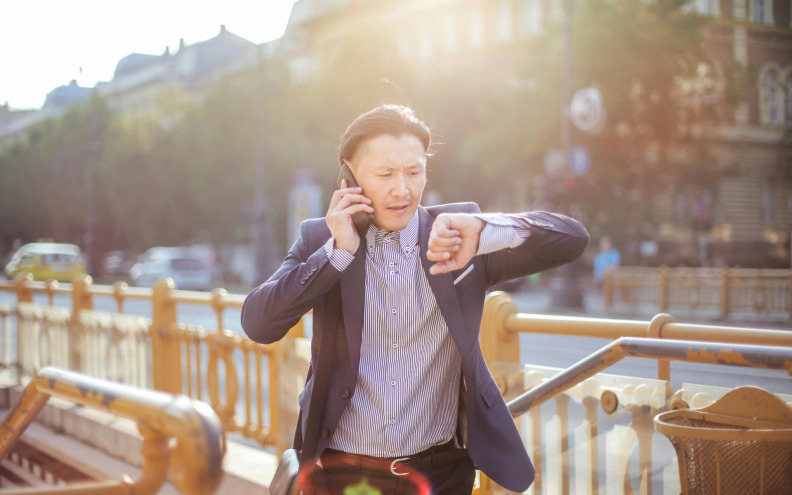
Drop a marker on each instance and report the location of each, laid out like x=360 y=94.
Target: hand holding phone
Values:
x=361 y=219
x=349 y=214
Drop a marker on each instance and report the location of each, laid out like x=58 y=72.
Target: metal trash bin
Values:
x=741 y=444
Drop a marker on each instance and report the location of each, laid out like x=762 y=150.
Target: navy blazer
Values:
x=306 y=277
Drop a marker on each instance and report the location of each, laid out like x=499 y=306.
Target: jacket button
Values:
x=345 y=394
x=325 y=433
x=313 y=268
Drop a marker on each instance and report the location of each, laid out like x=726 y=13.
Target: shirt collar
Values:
x=408 y=236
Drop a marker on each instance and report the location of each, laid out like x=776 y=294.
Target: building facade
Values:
x=743 y=217
x=139 y=78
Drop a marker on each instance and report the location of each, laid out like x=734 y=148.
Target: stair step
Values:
x=18 y=475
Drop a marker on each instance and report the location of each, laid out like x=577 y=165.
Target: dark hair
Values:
x=394 y=120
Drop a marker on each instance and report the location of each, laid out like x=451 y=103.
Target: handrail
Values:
x=501 y=325
x=753 y=356
x=605 y=328
x=195 y=464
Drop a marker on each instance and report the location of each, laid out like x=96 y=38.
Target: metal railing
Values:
x=207 y=365
x=194 y=464
x=162 y=353
x=717 y=292
x=749 y=356
x=588 y=432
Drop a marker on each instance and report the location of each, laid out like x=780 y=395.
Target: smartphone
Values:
x=361 y=219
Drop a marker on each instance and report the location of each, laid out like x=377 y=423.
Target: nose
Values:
x=400 y=189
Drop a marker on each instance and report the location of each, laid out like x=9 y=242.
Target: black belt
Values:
x=439 y=454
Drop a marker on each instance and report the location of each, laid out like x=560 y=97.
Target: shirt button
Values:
x=395 y=345
x=392 y=272
x=393 y=383
x=393 y=421
x=393 y=311
x=345 y=394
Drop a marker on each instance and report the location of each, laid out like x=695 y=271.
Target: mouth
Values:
x=398 y=209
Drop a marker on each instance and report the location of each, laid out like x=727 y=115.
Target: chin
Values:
x=391 y=226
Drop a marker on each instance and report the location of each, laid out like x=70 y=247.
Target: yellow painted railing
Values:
x=163 y=354
x=588 y=432
x=233 y=374
x=718 y=292
x=194 y=463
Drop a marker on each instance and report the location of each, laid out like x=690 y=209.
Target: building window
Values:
x=477 y=26
x=425 y=49
x=302 y=69
x=769 y=203
x=504 y=28
x=788 y=91
x=682 y=209
x=708 y=7
x=450 y=35
x=761 y=11
x=771 y=96
x=532 y=17
x=403 y=42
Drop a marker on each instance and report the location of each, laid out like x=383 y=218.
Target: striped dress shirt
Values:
x=407 y=392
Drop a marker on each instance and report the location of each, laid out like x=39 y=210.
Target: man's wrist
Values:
x=500 y=232
x=339 y=258
x=351 y=249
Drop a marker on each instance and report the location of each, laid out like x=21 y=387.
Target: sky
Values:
x=47 y=43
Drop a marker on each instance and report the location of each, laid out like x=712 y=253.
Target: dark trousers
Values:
x=341 y=474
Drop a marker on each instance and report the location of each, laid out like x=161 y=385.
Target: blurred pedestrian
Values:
x=607 y=257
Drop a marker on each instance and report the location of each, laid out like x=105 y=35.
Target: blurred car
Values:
x=47 y=261
x=183 y=265
x=118 y=262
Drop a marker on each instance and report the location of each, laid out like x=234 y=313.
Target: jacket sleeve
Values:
x=554 y=240
x=275 y=306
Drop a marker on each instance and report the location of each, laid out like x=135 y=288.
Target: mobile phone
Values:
x=361 y=219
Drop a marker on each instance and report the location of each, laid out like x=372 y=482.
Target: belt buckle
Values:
x=393 y=466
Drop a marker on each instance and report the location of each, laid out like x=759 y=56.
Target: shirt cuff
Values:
x=501 y=232
x=339 y=258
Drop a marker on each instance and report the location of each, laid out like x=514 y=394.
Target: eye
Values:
x=384 y=175
x=415 y=173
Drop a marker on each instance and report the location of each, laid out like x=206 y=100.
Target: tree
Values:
x=638 y=54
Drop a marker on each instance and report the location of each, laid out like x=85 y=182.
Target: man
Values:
x=408 y=390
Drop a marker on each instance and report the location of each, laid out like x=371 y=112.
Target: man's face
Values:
x=392 y=172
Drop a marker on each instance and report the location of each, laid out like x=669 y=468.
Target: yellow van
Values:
x=47 y=261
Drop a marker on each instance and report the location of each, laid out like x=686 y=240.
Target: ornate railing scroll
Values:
x=253 y=388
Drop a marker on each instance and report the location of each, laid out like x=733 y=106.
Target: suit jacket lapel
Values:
x=353 y=289
x=442 y=285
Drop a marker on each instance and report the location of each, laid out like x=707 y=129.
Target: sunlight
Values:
x=55 y=42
